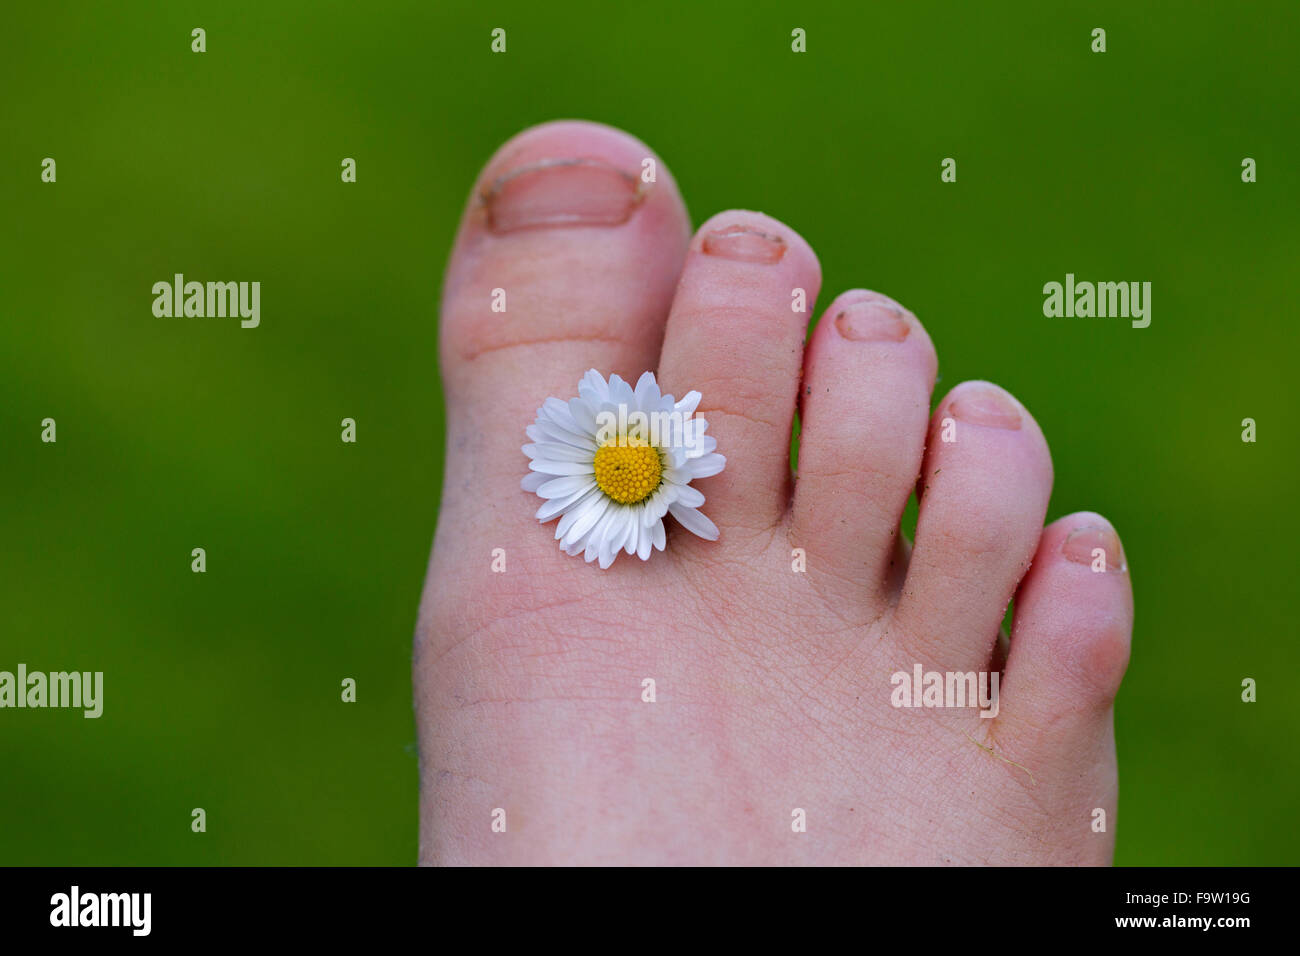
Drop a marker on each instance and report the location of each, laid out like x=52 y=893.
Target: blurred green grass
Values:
x=222 y=690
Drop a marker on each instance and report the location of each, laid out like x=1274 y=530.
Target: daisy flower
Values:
x=614 y=461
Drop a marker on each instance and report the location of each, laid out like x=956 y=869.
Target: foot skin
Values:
x=774 y=703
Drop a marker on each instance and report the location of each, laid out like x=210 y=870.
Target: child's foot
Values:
x=773 y=699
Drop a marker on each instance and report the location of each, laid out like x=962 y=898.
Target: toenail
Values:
x=745 y=244
x=1095 y=546
x=561 y=192
x=873 y=320
x=986 y=406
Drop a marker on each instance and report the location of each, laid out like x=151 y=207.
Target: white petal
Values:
x=707 y=466
x=533 y=481
x=557 y=411
x=705 y=445
x=593 y=513
x=596 y=538
x=551 y=432
x=594 y=382
x=591 y=550
x=606 y=413
x=689 y=497
x=592 y=499
x=557 y=506
x=692 y=432
x=647 y=541
x=660 y=536
x=615 y=533
x=562 y=467
x=555 y=451
x=678 y=476
x=694 y=522
x=654 y=508
x=584 y=415
x=563 y=487
x=689 y=402
x=627 y=525
x=620 y=393
x=647 y=391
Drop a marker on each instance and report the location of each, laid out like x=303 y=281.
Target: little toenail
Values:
x=874 y=320
x=1097 y=547
x=744 y=244
x=561 y=192
x=986 y=406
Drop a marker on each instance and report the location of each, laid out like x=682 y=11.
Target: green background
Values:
x=223 y=689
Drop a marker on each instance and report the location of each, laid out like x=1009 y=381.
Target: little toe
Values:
x=1071 y=632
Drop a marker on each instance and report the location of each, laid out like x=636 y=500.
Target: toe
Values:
x=566 y=260
x=985 y=484
x=735 y=334
x=1069 y=650
x=868 y=374
x=1073 y=620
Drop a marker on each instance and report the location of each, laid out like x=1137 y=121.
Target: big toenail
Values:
x=744 y=244
x=1096 y=547
x=872 y=320
x=561 y=192
x=986 y=406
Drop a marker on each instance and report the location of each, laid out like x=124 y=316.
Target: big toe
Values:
x=566 y=260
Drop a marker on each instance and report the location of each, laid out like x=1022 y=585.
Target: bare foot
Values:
x=774 y=736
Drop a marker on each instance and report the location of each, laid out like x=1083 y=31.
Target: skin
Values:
x=773 y=689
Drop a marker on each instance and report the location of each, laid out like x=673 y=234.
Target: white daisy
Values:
x=613 y=461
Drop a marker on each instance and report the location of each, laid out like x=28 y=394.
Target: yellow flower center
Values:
x=629 y=472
